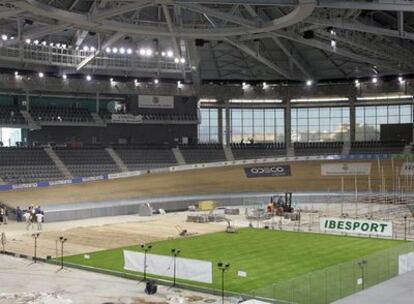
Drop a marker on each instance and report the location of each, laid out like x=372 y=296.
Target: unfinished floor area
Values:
x=23 y=283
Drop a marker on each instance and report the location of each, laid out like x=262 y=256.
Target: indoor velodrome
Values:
x=206 y=151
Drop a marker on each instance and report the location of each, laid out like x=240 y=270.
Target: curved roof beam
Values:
x=360 y=27
x=301 y=12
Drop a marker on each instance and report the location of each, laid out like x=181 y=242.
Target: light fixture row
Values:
x=111 y=80
x=146 y=52
x=245 y=85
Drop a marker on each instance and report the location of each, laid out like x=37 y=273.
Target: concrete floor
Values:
x=398 y=290
x=22 y=282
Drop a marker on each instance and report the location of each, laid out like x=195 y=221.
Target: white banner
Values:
x=368 y=227
x=187 y=269
x=407 y=169
x=156 y=102
x=126 y=118
x=342 y=169
x=405 y=263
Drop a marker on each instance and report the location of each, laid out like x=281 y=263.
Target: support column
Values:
x=220 y=125
x=352 y=120
x=228 y=123
x=97 y=102
x=27 y=101
x=288 y=124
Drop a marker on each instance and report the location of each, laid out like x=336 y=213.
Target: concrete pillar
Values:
x=220 y=125
x=97 y=102
x=288 y=124
x=352 y=119
x=228 y=123
x=27 y=101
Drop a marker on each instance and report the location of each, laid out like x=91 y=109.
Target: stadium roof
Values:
x=199 y=40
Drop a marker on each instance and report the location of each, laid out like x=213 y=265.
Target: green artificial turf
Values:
x=266 y=256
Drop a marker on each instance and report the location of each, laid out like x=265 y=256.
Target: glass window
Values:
x=208 y=128
x=370 y=118
x=320 y=124
x=257 y=124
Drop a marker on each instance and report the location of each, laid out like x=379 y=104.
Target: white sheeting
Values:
x=187 y=269
x=405 y=263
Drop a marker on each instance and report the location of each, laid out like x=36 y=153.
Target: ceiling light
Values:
x=51 y=44
x=64 y=46
x=333 y=43
x=64 y=76
x=179 y=84
x=4 y=37
x=309 y=83
x=356 y=82
x=374 y=80
x=86 y=48
x=12 y=38
x=43 y=42
x=16 y=73
x=114 y=50
x=265 y=86
x=92 y=49
x=129 y=51
x=156 y=81
x=88 y=77
x=148 y=52
x=136 y=82
x=176 y=60
x=28 y=41
x=163 y=54
x=170 y=53
x=41 y=75
x=326 y=99
x=182 y=60
x=142 y=52
x=122 y=50
x=108 y=50
x=401 y=80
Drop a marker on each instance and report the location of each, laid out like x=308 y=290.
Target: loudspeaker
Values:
x=308 y=34
x=199 y=42
x=151 y=288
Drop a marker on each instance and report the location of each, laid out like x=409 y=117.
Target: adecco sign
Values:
x=338 y=225
x=268 y=171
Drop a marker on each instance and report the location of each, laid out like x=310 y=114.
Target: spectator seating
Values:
x=252 y=151
x=61 y=114
x=318 y=148
x=10 y=115
x=146 y=157
x=87 y=161
x=26 y=165
x=202 y=153
x=362 y=147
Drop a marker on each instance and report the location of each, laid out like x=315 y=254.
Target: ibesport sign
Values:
x=369 y=227
x=268 y=171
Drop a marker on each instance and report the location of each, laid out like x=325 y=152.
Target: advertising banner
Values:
x=268 y=171
x=188 y=269
x=155 y=102
x=342 y=169
x=340 y=225
x=407 y=168
x=126 y=118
